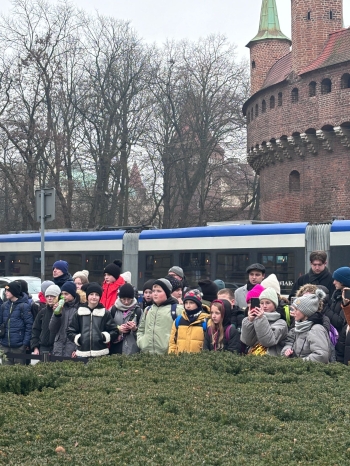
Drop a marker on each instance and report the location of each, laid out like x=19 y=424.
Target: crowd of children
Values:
x=75 y=318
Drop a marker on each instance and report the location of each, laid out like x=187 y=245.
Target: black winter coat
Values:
x=91 y=330
x=334 y=311
x=324 y=278
x=41 y=335
x=237 y=316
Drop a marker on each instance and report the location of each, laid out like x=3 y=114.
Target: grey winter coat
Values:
x=58 y=329
x=271 y=335
x=240 y=295
x=311 y=345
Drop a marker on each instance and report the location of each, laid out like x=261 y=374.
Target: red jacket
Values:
x=110 y=292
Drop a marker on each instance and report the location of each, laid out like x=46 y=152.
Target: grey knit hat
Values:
x=45 y=284
x=309 y=303
x=270 y=294
x=165 y=285
x=178 y=270
x=53 y=290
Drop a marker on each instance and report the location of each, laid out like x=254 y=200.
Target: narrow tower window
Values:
x=279 y=99
x=326 y=86
x=295 y=95
x=345 y=81
x=330 y=14
x=263 y=106
x=294 y=181
x=256 y=110
x=252 y=114
x=272 y=101
x=312 y=89
x=309 y=15
x=253 y=64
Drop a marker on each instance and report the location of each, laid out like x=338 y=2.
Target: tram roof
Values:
x=63 y=236
x=340 y=225
x=227 y=230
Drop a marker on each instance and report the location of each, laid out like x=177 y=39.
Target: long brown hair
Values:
x=216 y=331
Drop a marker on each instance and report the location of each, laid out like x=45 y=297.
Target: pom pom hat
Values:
x=114 y=269
x=254 y=292
x=309 y=304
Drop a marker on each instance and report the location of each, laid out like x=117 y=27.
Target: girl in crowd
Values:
x=188 y=330
x=81 y=278
x=309 y=339
x=221 y=335
x=126 y=314
x=263 y=331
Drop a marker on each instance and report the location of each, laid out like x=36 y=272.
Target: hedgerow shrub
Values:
x=201 y=409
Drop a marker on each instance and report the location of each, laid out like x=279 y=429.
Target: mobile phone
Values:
x=347 y=293
x=254 y=302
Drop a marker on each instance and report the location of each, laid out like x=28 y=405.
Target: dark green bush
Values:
x=201 y=409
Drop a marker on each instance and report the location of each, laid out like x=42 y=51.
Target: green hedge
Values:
x=202 y=409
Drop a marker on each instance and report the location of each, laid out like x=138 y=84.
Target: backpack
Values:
x=172 y=311
x=333 y=338
x=227 y=332
x=177 y=323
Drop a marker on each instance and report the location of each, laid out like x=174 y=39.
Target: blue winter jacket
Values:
x=19 y=321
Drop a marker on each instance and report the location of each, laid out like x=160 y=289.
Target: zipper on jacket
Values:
x=90 y=331
x=154 y=327
x=8 y=326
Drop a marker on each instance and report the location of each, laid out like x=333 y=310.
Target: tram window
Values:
x=231 y=268
x=158 y=265
x=49 y=260
x=282 y=265
x=2 y=265
x=20 y=264
x=196 y=266
x=95 y=263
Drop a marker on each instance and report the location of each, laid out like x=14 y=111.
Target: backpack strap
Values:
x=146 y=310
x=177 y=321
x=204 y=325
x=173 y=311
x=113 y=311
x=227 y=332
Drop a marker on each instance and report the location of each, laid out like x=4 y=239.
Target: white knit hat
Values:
x=53 y=290
x=272 y=282
x=83 y=275
x=270 y=294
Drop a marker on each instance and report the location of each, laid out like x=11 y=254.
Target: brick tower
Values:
x=268 y=46
x=298 y=114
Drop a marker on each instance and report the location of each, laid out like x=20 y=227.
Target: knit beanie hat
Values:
x=195 y=296
x=70 y=287
x=53 y=290
x=126 y=291
x=165 y=285
x=83 y=275
x=178 y=270
x=148 y=285
x=175 y=283
x=209 y=289
x=220 y=284
x=45 y=285
x=342 y=275
x=24 y=286
x=272 y=282
x=254 y=292
x=269 y=294
x=93 y=287
x=114 y=269
x=126 y=276
x=61 y=265
x=309 y=304
x=14 y=288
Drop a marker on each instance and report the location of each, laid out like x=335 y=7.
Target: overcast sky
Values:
x=158 y=20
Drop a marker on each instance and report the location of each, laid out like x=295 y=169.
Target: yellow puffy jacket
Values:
x=188 y=337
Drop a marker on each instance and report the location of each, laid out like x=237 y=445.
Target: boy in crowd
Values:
x=60 y=273
x=256 y=274
x=155 y=325
x=237 y=314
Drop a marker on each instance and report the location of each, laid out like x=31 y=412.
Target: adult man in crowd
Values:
x=60 y=273
x=256 y=274
x=317 y=275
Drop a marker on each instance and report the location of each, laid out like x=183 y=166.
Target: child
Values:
x=112 y=282
x=221 y=335
x=177 y=288
x=127 y=315
x=81 y=278
x=147 y=293
x=263 y=330
x=309 y=339
x=92 y=327
x=237 y=314
x=188 y=330
x=61 y=319
x=154 y=330
x=41 y=336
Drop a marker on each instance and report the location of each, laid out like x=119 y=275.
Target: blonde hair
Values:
x=217 y=330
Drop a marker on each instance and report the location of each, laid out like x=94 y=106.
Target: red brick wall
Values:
x=264 y=54
x=310 y=35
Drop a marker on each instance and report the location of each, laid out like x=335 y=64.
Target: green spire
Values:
x=269 y=27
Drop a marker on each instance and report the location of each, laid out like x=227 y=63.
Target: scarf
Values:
x=272 y=316
x=121 y=307
x=250 y=286
x=316 y=279
x=304 y=326
x=193 y=315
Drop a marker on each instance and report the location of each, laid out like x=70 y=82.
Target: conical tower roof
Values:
x=269 y=27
